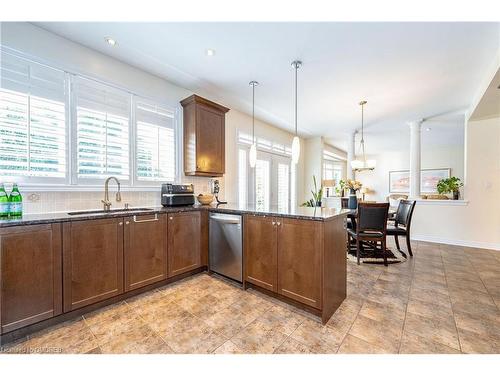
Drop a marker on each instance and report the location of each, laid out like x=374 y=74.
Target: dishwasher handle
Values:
x=226 y=219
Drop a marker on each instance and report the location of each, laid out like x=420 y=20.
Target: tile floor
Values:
x=445 y=299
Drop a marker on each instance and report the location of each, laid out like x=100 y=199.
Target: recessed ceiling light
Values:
x=110 y=41
x=210 y=52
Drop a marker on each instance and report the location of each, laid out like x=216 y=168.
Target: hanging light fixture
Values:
x=252 y=156
x=296 y=142
x=363 y=164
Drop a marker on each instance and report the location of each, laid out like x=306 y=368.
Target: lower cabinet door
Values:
x=299 y=260
x=184 y=242
x=260 y=252
x=145 y=250
x=30 y=275
x=92 y=261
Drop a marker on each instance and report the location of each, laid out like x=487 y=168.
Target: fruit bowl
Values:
x=205 y=198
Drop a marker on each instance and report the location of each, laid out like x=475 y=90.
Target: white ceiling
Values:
x=406 y=71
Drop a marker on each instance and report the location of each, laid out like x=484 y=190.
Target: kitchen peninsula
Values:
x=58 y=266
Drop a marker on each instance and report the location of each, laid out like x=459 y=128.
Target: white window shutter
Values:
x=155 y=142
x=102 y=131
x=33 y=126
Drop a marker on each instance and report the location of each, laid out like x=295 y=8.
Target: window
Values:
x=242 y=177
x=155 y=142
x=45 y=112
x=283 y=185
x=333 y=167
x=102 y=131
x=263 y=184
x=33 y=145
x=273 y=180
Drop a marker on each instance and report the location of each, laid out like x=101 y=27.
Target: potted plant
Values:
x=353 y=187
x=315 y=201
x=450 y=185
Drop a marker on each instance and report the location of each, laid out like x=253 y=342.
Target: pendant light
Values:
x=296 y=142
x=363 y=164
x=252 y=155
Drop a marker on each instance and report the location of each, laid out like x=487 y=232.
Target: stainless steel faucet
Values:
x=105 y=201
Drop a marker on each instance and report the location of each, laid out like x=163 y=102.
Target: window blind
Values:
x=33 y=144
x=155 y=142
x=102 y=131
x=264 y=144
x=283 y=185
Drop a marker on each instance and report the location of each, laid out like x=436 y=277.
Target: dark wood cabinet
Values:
x=299 y=260
x=204 y=137
x=145 y=250
x=184 y=242
x=92 y=261
x=260 y=251
x=30 y=275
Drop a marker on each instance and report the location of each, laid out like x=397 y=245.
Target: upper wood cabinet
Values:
x=184 y=242
x=204 y=137
x=260 y=251
x=145 y=250
x=92 y=261
x=30 y=275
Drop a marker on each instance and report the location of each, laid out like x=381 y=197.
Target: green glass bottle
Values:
x=16 y=202
x=4 y=202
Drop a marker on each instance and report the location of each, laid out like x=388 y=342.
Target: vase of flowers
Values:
x=353 y=187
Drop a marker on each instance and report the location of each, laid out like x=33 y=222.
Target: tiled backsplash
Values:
x=57 y=201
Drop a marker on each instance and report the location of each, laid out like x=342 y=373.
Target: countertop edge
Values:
x=158 y=210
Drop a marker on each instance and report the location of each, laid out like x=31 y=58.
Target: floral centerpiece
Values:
x=353 y=187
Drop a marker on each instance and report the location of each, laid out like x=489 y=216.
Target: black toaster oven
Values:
x=177 y=195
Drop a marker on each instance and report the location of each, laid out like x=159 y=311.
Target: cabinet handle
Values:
x=274 y=223
x=127 y=222
x=120 y=223
x=279 y=223
x=146 y=220
x=171 y=218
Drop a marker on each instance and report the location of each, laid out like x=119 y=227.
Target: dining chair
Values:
x=402 y=223
x=371 y=226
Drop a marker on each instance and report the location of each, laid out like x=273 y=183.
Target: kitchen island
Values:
x=57 y=266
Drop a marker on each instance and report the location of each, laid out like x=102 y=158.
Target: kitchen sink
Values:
x=112 y=211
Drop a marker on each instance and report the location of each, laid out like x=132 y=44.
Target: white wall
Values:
x=63 y=53
x=477 y=223
x=313 y=166
x=450 y=156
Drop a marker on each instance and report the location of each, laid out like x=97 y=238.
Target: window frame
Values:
x=71 y=182
x=37 y=181
x=133 y=143
x=243 y=144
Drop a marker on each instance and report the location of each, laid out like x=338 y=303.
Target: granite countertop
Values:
x=306 y=213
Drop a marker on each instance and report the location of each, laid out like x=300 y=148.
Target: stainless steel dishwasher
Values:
x=225 y=245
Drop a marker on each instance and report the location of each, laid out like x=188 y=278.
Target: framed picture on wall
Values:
x=430 y=177
x=399 y=181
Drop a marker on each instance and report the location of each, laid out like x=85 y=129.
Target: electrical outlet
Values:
x=34 y=197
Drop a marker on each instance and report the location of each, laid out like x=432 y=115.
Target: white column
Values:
x=350 y=155
x=415 y=134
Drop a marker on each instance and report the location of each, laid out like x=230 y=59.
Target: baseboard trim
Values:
x=447 y=241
